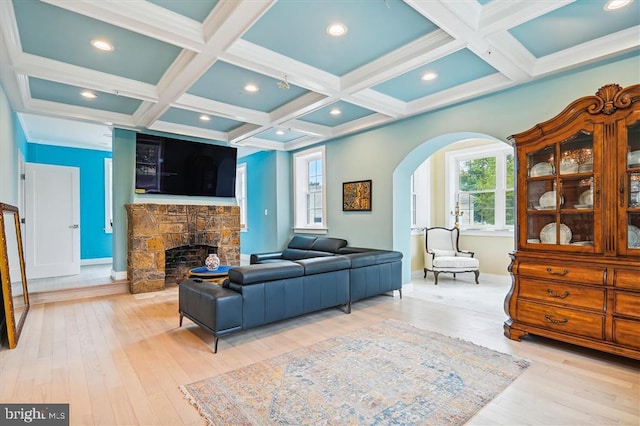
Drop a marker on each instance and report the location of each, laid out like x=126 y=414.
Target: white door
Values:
x=52 y=220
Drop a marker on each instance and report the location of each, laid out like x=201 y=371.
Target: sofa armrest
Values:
x=259 y=257
x=465 y=253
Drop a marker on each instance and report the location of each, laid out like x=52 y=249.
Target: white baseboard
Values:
x=96 y=261
x=118 y=275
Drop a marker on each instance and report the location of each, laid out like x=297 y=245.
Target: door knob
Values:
x=74 y=226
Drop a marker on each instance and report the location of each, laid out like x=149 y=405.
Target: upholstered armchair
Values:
x=441 y=254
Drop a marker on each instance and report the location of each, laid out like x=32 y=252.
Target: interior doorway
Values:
x=52 y=215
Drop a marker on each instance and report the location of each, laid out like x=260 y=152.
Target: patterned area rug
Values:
x=390 y=373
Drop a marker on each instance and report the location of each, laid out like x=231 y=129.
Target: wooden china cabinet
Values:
x=576 y=267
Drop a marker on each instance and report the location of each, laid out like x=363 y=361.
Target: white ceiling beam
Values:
x=61 y=72
x=595 y=50
x=303 y=105
x=379 y=102
x=459 y=93
x=259 y=59
x=55 y=109
x=504 y=15
x=221 y=109
x=181 y=129
x=426 y=49
x=235 y=17
x=141 y=17
x=301 y=143
x=448 y=19
x=312 y=129
x=265 y=144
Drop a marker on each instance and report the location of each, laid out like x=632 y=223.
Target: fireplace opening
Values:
x=179 y=260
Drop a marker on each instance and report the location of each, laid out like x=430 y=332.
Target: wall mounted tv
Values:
x=179 y=167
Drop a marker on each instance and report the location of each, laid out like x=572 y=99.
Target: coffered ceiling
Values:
x=182 y=66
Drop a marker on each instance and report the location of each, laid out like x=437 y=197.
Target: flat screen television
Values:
x=180 y=167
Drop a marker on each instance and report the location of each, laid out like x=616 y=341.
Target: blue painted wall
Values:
x=94 y=242
x=268 y=183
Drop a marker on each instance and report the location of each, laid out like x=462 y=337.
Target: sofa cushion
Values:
x=265 y=272
x=331 y=245
x=301 y=242
x=318 y=265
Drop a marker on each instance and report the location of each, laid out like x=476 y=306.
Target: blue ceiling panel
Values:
x=66 y=94
x=288 y=136
x=457 y=68
x=484 y=2
x=298 y=29
x=349 y=112
x=197 y=10
x=224 y=82
x=192 y=118
x=576 y=23
x=65 y=36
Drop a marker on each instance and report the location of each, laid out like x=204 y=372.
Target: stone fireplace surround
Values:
x=155 y=228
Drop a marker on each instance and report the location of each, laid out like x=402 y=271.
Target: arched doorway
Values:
x=401 y=183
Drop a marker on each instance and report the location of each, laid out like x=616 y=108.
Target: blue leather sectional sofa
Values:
x=311 y=274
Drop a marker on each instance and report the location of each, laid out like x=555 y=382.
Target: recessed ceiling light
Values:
x=88 y=94
x=337 y=30
x=251 y=88
x=616 y=4
x=335 y=111
x=280 y=132
x=205 y=117
x=102 y=45
x=428 y=76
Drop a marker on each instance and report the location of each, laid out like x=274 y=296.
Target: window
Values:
x=108 y=195
x=241 y=194
x=309 y=193
x=481 y=180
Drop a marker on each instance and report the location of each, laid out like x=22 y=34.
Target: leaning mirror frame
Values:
x=10 y=242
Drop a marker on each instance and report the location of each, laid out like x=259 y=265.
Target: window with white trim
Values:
x=108 y=195
x=481 y=181
x=241 y=194
x=309 y=189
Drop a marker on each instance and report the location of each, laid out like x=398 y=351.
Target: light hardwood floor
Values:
x=120 y=359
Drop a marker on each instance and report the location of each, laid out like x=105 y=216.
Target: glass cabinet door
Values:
x=631 y=202
x=560 y=195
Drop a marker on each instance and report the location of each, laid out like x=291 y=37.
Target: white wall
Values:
x=8 y=154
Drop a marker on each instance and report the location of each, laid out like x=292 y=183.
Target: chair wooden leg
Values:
x=181 y=316
x=425 y=273
x=477 y=275
x=435 y=276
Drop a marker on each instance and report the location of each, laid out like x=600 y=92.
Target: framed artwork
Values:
x=356 y=196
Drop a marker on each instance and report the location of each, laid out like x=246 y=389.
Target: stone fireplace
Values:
x=153 y=229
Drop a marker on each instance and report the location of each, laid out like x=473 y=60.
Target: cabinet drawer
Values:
x=627 y=304
x=563 y=294
x=627 y=278
x=561 y=319
x=625 y=332
x=564 y=273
